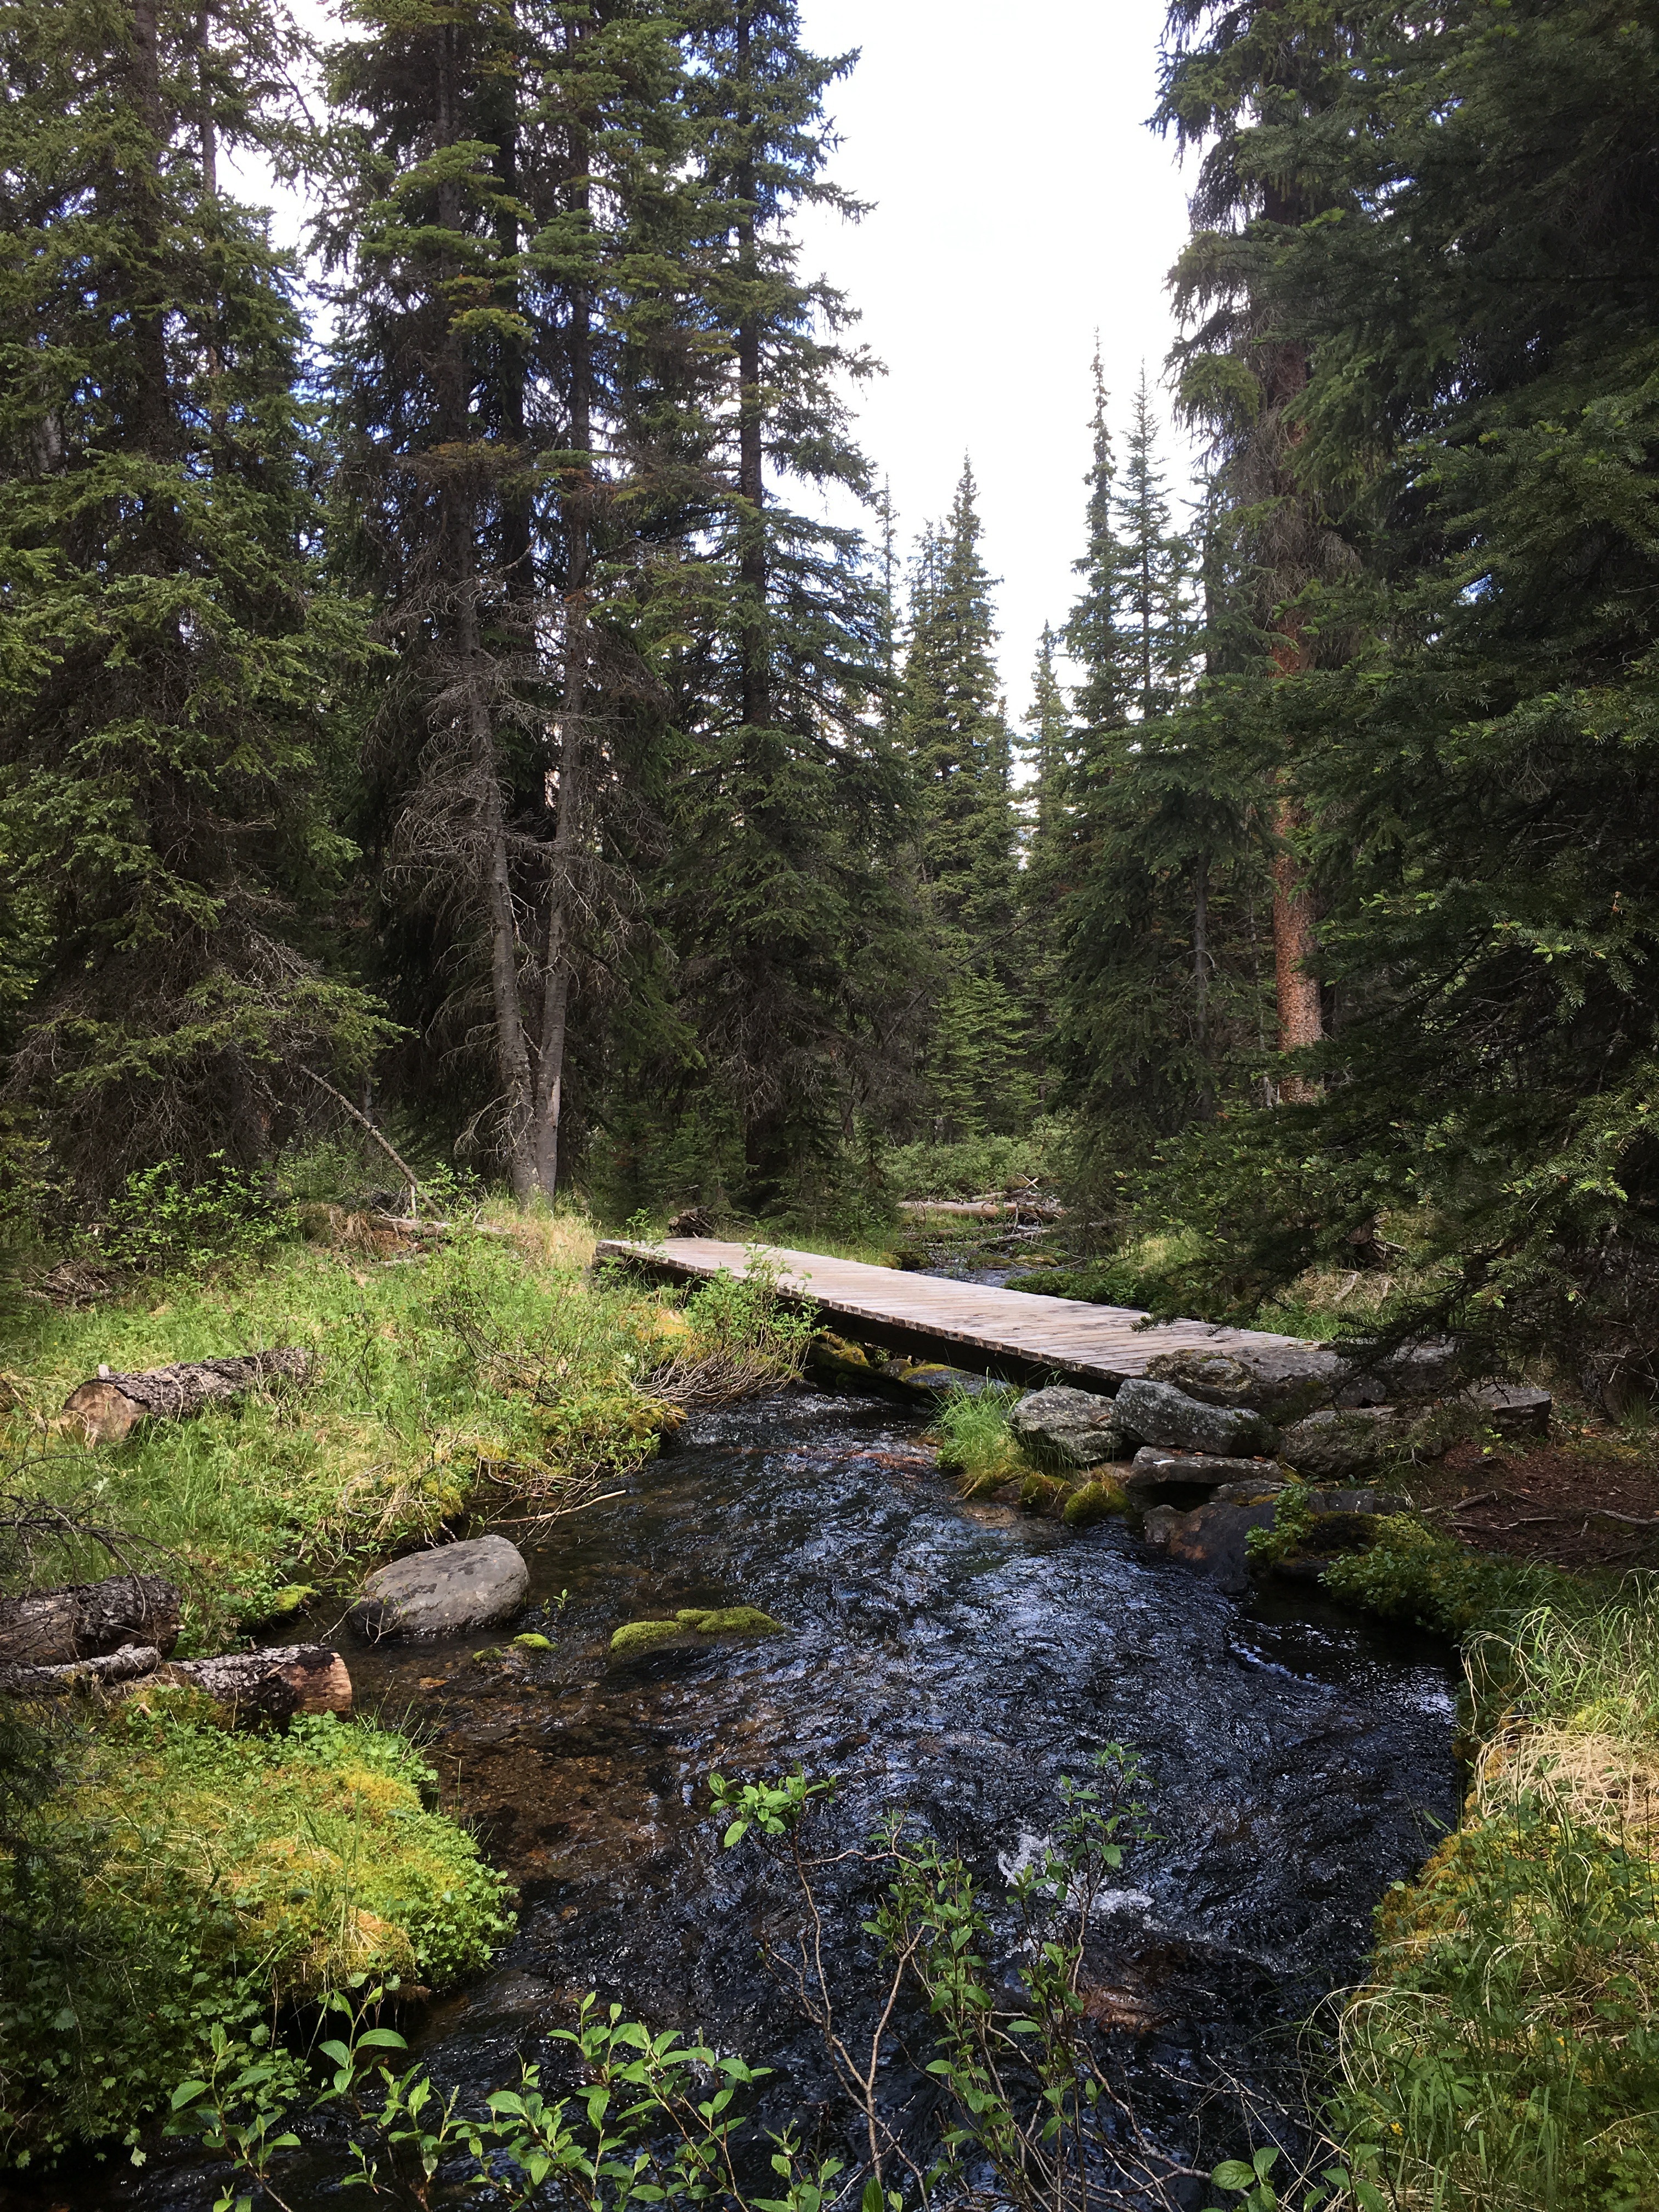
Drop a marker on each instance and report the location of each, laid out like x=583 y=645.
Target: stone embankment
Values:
x=1203 y=1447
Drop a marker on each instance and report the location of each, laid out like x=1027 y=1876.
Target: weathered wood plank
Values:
x=1021 y=1333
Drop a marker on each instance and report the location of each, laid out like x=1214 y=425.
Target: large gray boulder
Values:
x=450 y=1591
x=1157 y=1413
x=1067 y=1428
x=1337 y=1447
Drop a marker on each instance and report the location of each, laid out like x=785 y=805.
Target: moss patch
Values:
x=205 y=1878
x=1093 y=1501
x=697 y=1621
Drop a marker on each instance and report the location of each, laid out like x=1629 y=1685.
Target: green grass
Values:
x=1505 y=2055
x=200 y=1879
x=492 y=1353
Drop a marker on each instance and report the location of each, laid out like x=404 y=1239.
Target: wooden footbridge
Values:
x=1020 y=1336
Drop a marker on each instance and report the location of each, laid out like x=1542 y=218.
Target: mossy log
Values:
x=135 y=1659
x=109 y=1407
x=267 y=1686
x=86 y=1620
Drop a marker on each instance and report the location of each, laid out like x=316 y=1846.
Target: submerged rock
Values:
x=1213 y=1538
x=448 y=1591
x=1069 y=1428
x=1157 y=1413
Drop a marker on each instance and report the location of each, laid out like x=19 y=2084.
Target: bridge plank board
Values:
x=1020 y=1331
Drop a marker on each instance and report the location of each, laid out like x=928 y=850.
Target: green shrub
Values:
x=1412 y=1573
x=203 y=1878
x=161 y=1222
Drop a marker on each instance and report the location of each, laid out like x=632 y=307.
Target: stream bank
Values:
x=951 y=1659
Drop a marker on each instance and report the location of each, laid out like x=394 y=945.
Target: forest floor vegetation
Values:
x=163 y=1882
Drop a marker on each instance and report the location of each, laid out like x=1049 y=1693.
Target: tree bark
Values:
x=572 y=748
x=110 y=1406
x=132 y=1660
x=752 y=470
x=1300 y=1021
x=88 y=1620
x=267 y=1686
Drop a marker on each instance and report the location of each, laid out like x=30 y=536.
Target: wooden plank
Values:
x=1020 y=1334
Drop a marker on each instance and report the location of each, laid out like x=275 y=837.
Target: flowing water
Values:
x=951 y=1660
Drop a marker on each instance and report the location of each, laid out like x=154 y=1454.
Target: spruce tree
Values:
x=961 y=752
x=174 y=667
x=786 y=806
x=1243 y=81
x=1478 y=759
x=504 y=228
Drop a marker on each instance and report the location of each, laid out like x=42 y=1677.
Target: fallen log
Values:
x=109 y=1407
x=46 y=1628
x=123 y=1666
x=267 y=1686
x=986 y=1209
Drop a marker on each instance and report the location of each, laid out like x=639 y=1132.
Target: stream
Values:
x=952 y=1660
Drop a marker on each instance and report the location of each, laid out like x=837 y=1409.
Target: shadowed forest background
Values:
x=431 y=681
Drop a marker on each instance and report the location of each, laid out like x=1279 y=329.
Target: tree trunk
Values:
x=88 y=1620
x=573 y=779
x=751 y=477
x=461 y=522
x=132 y=1660
x=1300 y=1022
x=109 y=1407
x=267 y=1686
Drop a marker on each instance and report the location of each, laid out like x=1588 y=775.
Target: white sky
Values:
x=1020 y=206
x=1021 y=203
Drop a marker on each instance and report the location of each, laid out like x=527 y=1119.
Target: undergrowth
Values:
x=181 y=1879
x=1505 y=2052
x=491 y=1357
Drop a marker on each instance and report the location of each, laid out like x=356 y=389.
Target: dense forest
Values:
x=457 y=699
x=483 y=763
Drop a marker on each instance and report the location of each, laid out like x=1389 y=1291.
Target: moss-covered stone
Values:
x=640 y=1635
x=697 y=1621
x=1093 y=1501
x=1043 y=1493
x=530 y=1641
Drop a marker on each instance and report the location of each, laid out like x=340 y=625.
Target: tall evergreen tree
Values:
x=502 y=224
x=1240 y=80
x=961 y=749
x=786 y=806
x=1045 y=880
x=171 y=666
x=1480 y=337
x=1158 y=988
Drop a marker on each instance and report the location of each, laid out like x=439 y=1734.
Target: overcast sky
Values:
x=1021 y=204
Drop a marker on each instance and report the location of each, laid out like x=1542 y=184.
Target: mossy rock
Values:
x=1093 y=1501
x=640 y=1635
x=834 y=1359
x=1044 y=1494
x=694 y=1621
x=531 y=1642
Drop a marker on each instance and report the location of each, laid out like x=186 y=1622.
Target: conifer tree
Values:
x=172 y=664
x=961 y=752
x=787 y=812
x=1047 y=881
x=501 y=223
x=1242 y=78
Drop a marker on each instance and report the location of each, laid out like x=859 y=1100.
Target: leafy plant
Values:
x=163 y=1219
